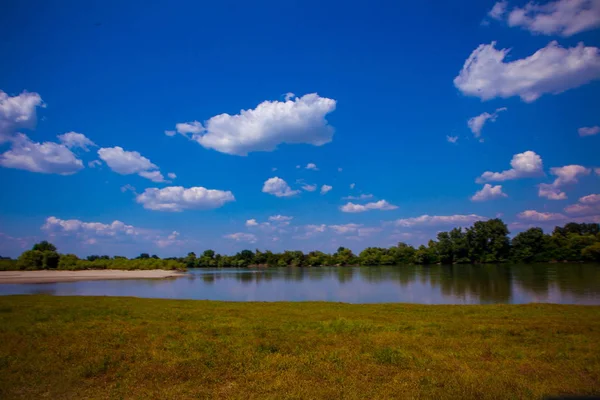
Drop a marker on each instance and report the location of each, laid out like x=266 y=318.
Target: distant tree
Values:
x=154 y=256
x=344 y=256
x=44 y=246
x=143 y=256
x=68 y=261
x=31 y=259
x=50 y=260
x=529 y=246
x=209 y=254
x=488 y=241
x=591 y=252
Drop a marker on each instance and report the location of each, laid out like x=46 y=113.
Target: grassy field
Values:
x=93 y=347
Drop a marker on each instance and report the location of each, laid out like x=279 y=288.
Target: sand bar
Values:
x=72 y=276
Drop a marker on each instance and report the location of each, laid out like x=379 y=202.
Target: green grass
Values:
x=109 y=347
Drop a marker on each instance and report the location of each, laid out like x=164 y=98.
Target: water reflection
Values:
x=458 y=284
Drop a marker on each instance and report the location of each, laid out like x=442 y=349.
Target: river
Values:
x=458 y=284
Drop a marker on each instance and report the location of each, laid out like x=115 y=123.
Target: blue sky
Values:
x=382 y=91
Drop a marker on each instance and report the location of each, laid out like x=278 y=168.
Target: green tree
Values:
x=591 y=252
x=488 y=241
x=343 y=256
x=50 y=259
x=31 y=259
x=44 y=246
x=529 y=246
x=190 y=260
x=68 y=261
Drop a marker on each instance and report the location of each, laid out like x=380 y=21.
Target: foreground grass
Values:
x=95 y=347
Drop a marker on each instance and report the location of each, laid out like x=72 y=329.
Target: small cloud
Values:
x=340 y=169
x=488 y=192
x=251 y=222
x=451 y=139
x=242 y=237
x=311 y=166
x=94 y=163
x=352 y=185
x=309 y=188
x=361 y=197
x=476 y=123
x=171 y=175
x=381 y=205
x=278 y=187
x=325 y=189
x=524 y=165
x=589 y=130
x=128 y=187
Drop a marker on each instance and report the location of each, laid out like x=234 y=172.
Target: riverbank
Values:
x=45 y=276
x=109 y=347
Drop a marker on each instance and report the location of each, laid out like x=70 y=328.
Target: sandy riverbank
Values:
x=71 y=276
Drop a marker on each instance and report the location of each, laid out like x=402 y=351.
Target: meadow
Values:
x=119 y=347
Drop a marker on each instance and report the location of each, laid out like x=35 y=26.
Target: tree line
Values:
x=484 y=242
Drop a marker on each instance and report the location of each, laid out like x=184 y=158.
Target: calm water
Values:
x=464 y=284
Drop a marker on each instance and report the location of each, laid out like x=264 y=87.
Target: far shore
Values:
x=46 y=276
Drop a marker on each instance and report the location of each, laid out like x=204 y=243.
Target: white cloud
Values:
x=552 y=69
x=527 y=164
x=154 y=176
x=344 y=229
x=312 y=166
x=242 y=237
x=434 y=220
x=361 y=197
x=280 y=218
x=311 y=230
x=251 y=222
x=452 y=139
x=352 y=185
x=178 y=198
x=128 y=187
x=125 y=162
x=91 y=231
x=590 y=199
x=587 y=205
x=489 y=192
x=550 y=192
x=170 y=133
x=186 y=128
x=564 y=175
x=171 y=240
x=46 y=158
x=378 y=205
x=18 y=112
x=172 y=175
x=278 y=187
x=325 y=189
x=562 y=17
x=498 y=11
x=94 y=163
x=76 y=140
x=589 y=130
x=130 y=162
x=476 y=123
x=309 y=188
x=295 y=121
x=532 y=215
